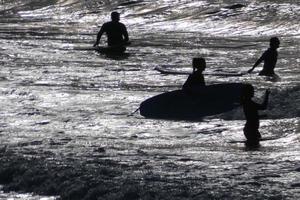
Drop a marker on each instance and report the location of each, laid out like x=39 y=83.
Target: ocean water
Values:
x=67 y=127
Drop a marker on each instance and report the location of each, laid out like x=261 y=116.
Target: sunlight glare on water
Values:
x=68 y=126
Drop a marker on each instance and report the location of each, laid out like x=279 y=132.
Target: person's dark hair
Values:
x=199 y=63
x=247 y=92
x=274 y=42
x=115 y=16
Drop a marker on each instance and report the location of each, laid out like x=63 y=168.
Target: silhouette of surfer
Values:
x=117 y=35
x=251 y=113
x=269 y=57
x=196 y=79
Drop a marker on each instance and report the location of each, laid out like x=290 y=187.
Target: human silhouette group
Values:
x=117 y=39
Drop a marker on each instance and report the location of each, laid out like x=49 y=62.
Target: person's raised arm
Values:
x=257 y=63
x=264 y=105
x=125 y=33
x=99 y=35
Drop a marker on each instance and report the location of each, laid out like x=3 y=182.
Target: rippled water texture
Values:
x=66 y=126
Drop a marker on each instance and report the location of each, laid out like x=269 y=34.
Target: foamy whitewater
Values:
x=67 y=130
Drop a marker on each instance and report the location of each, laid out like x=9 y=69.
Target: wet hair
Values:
x=247 y=92
x=199 y=63
x=274 y=41
x=115 y=16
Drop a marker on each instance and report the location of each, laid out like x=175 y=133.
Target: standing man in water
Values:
x=117 y=35
x=251 y=108
x=269 y=57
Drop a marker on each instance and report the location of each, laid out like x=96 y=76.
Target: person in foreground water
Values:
x=196 y=79
x=117 y=35
x=269 y=57
x=251 y=108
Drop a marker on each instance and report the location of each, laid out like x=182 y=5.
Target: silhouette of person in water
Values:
x=269 y=57
x=251 y=113
x=116 y=32
x=196 y=79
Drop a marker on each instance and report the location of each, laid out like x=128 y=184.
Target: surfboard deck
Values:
x=194 y=104
x=169 y=72
x=177 y=72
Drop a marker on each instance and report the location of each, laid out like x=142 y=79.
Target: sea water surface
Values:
x=67 y=127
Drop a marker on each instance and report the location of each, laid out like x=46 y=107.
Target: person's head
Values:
x=115 y=16
x=247 y=91
x=274 y=42
x=199 y=64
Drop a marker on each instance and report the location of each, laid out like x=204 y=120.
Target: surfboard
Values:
x=168 y=71
x=193 y=104
x=261 y=140
x=113 y=50
x=177 y=72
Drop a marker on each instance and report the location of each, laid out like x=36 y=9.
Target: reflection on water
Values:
x=16 y=196
x=66 y=127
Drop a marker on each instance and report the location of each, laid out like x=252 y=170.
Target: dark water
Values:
x=66 y=128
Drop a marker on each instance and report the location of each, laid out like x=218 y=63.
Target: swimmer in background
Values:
x=116 y=32
x=251 y=108
x=196 y=79
x=269 y=57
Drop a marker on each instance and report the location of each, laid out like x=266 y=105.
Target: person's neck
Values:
x=273 y=48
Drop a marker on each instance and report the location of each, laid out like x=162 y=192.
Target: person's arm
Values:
x=257 y=63
x=264 y=105
x=203 y=80
x=187 y=83
x=99 y=35
x=125 y=33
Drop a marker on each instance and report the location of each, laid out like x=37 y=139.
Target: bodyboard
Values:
x=193 y=104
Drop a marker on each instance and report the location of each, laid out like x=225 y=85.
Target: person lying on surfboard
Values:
x=269 y=57
x=196 y=79
x=251 y=108
x=116 y=32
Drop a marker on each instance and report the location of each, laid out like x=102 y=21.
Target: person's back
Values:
x=251 y=112
x=269 y=58
x=196 y=79
x=251 y=108
x=116 y=32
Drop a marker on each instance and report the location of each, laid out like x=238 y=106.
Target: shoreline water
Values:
x=18 y=196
